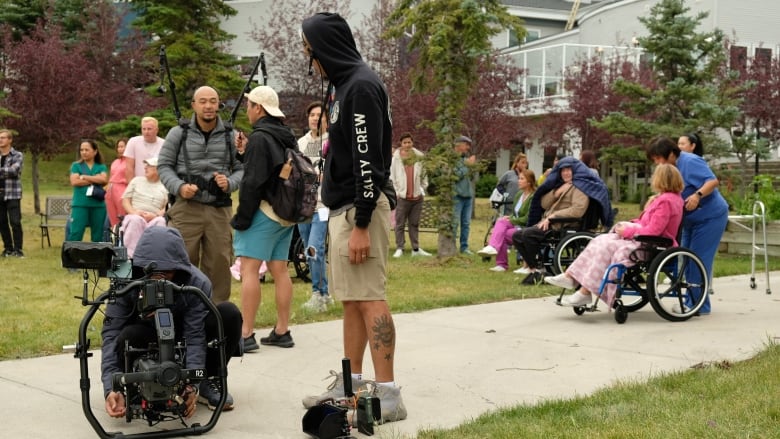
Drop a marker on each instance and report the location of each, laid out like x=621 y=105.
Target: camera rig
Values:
x=154 y=379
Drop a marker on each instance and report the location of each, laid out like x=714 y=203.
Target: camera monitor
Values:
x=87 y=255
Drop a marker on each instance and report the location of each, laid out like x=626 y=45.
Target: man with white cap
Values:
x=260 y=234
x=198 y=165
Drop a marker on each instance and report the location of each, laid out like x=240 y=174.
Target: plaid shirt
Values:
x=11 y=174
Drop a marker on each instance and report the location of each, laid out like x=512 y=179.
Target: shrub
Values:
x=742 y=204
x=485 y=185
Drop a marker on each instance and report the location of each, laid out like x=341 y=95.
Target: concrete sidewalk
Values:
x=453 y=364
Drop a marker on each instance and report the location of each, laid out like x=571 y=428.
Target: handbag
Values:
x=95 y=191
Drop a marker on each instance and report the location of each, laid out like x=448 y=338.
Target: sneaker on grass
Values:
x=315 y=303
x=488 y=250
x=420 y=252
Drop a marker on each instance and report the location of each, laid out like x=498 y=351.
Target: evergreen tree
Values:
x=194 y=43
x=687 y=94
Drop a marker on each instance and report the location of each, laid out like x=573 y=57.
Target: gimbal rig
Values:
x=154 y=382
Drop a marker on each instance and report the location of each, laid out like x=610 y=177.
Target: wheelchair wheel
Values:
x=621 y=313
x=568 y=249
x=633 y=291
x=297 y=258
x=677 y=284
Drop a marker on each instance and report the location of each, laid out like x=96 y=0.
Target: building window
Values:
x=763 y=55
x=530 y=35
x=738 y=58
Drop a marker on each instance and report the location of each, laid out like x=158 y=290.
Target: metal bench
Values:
x=427 y=218
x=57 y=214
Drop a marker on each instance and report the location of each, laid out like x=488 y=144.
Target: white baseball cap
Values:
x=267 y=97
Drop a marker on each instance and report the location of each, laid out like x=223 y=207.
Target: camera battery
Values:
x=368 y=414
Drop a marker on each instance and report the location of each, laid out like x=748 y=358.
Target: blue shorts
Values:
x=265 y=239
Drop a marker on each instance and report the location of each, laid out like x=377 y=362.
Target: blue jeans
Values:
x=462 y=218
x=313 y=235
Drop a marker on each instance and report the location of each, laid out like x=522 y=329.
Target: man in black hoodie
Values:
x=355 y=175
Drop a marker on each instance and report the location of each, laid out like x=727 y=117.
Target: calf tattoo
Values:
x=384 y=332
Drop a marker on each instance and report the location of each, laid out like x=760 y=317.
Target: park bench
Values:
x=57 y=214
x=427 y=218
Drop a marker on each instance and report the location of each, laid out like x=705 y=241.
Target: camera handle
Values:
x=83 y=354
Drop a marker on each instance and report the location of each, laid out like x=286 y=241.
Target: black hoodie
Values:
x=357 y=165
x=263 y=160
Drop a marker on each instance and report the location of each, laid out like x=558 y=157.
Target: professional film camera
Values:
x=155 y=380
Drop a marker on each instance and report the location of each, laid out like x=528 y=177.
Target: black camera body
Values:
x=210 y=186
x=156 y=381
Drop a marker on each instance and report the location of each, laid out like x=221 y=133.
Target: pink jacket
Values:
x=662 y=217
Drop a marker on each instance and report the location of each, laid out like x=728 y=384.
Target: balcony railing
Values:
x=545 y=67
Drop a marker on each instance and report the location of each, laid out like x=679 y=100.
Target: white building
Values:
x=557 y=36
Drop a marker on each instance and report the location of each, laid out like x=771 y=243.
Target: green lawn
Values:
x=39 y=315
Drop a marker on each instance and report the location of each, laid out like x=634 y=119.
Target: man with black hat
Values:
x=464 y=192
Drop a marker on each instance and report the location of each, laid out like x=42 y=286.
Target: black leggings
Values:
x=529 y=243
x=141 y=334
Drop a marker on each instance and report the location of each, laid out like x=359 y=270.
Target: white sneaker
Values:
x=522 y=270
x=498 y=269
x=420 y=252
x=488 y=250
x=561 y=280
x=326 y=299
x=577 y=299
x=315 y=304
x=398 y=253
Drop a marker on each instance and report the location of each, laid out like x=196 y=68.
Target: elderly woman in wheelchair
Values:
x=572 y=198
x=661 y=218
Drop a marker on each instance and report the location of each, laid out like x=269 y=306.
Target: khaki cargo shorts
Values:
x=366 y=281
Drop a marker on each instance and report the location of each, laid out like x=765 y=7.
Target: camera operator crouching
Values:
x=126 y=322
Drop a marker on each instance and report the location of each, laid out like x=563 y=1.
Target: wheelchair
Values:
x=672 y=279
x=562 y=245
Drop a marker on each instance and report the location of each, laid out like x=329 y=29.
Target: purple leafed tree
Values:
x=62 y=91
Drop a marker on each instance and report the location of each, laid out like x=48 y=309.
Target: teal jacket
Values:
x=463 y=185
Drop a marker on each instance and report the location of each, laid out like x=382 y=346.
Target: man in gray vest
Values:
x=199 y=167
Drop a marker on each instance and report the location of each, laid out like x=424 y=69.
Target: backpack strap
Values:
x=184 y=124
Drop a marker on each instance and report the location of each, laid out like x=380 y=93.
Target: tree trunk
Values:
x=35 y=183
x=447 y=247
